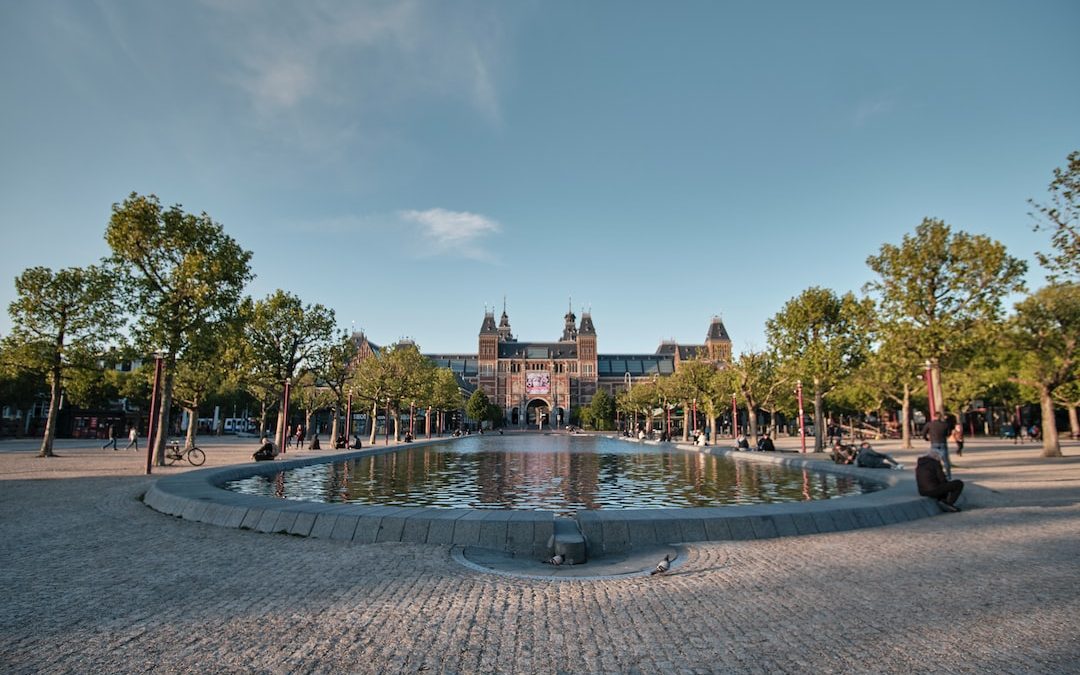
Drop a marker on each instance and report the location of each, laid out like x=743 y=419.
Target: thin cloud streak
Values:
x=454 y=232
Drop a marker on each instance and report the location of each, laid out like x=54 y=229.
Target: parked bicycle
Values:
x=174 y=452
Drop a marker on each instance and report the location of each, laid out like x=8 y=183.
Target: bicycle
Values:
x=194 y=455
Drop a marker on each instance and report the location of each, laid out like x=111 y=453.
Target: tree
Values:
x=478 y=405
x=941 y=292
x=445 y=393
x=891 y=372
x=335 y=369
x=199 y=373
x=600 y=413
x=181 y=272
x=754 y=376
x=1061 y=216
x=19 y=387
x=60 y=320
x=641 y=399
x=695 y=386
x=1046 y=335
x=822 y=338
x=1068 y=395
x=395 y=376
x=283 y=339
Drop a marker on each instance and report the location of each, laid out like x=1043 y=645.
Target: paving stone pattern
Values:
x=97 y=582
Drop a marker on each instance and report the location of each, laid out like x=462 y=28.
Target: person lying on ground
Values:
x=872 y=459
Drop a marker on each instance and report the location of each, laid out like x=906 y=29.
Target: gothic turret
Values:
x=717 y=342
x=504 y=328
x=569 y=333
x=587 y=327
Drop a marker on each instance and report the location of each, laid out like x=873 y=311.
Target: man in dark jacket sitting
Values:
x=932 y=482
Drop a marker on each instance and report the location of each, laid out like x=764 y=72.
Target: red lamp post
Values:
x=285 y=414
x=802 y=416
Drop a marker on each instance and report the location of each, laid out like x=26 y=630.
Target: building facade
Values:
x=534 y=382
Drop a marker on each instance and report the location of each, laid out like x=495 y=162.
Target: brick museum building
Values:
x=552 y=378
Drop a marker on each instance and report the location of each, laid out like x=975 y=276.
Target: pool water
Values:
x=558 y=473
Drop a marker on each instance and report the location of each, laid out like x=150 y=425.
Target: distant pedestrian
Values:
x=133 y=439
x=299 y=436
x=957 y=437
x=111 y=439
x=937 y=432
x=1016 y=429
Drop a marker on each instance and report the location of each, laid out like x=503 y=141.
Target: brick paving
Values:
x=94 y=581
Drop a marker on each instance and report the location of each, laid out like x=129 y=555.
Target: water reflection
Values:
x=562 y=474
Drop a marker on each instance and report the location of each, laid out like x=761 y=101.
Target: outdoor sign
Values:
x=537 y=383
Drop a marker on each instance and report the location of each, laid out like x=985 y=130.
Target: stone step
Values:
x=568 y=541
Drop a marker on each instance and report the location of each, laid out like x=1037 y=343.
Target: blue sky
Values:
x=408 y=163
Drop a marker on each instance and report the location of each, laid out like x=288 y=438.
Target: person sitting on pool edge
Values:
x=930 y=477
x=765 y=444
x=843 y=454
x=869 y=458
x=266 y=451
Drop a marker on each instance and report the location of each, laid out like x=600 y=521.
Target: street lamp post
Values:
x=802 y=420
x=285 y=414
x=348 y=420
x=929 y=391
x=734 y=417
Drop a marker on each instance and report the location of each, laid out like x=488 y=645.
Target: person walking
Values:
x=133 y=439
x=957 y=436
x=937 y=432
x=299 y=437
x=111 y=439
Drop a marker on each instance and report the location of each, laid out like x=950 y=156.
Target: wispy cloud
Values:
x=454 y=232
x=869 y=109
x=324 y=64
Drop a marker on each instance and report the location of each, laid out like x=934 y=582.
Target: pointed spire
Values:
x=488 y=327
x=587 y=327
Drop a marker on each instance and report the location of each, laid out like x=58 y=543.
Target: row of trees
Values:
x=173 y=287
x=934 y=313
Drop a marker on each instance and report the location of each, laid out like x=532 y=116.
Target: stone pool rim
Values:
x=199 y=496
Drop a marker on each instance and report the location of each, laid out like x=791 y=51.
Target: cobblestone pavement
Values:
x=96 y=582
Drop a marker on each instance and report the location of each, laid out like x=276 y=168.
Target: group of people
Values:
x=764 y=443
x=933 y=471
x=864 y=456
x=132 y=436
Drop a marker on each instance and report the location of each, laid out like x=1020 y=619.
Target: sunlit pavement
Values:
x=96 y=582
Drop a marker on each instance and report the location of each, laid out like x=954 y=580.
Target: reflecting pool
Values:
x=558 y=473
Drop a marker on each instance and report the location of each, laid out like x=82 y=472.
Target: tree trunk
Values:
x=905 y=415
x=162 y=430
x=374 y=422
x=751 y=420
x=819 y=417
x=193 y=421
x=427 y=422
x=1051 y=446
x=1074 y=423
x=334 y=415
x=54 y=411
x=685 y=422
x=264 y=414
x=397 y=424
